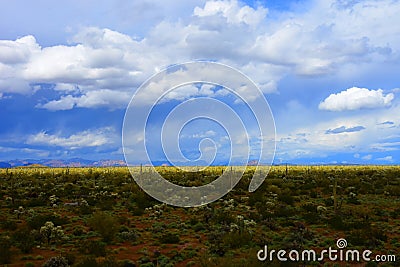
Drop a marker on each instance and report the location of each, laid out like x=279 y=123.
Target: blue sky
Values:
x=329 y=70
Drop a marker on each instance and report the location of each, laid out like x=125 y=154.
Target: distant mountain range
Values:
x=78 y=162
x=74 y=162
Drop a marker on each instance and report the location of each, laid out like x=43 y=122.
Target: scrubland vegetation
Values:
x=100 y=217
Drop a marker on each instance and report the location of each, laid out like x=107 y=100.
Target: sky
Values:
x=329 y=70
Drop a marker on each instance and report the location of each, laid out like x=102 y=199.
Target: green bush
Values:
x=337 y=223
x=70 y=258
x=93 y=247
x=144 y=260
x=130 y=236
x=309 y=207
x=237 y=239
x=105 y=224
x=24 y=240
x=286 y=197
x=217 y=246
x=147 y=264
x=142 y=200
x=9 y=225
x=163 y=260
x=85 y=209
x=37 y=221
x=135 y=210
x=198 y=227
x=78 y=231
x=36 y=202
x=5 y=253
x=127 y=263
x=89 y=261
x=170 y=238
x=109 y=262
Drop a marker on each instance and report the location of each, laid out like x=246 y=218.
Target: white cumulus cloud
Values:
x=356 y=98
x=92 y=99
x=232 y=12
x=88 y=138
x=316 y=41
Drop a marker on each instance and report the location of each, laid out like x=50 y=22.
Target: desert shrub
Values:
x=5 y=253
x=24 y=240
x=329 y=202
x=38 y=220
x=372 y=237
x=193 y=221
x=123 y=228
x=71 y=258
x=56 y=262
x=163 y=260
x=222 y=216
x=286 y=197
x=313 y=194
x=395 y=213
x=147 y=264
x=129 y=235
x=36 y=202
x=88 y=261
x=284 y=211
x=28 y=257
x=85 y=209
x=198 y=227
x=108 y=262
x=337 y=223
x=237 y=239
x=144 y=260
x=127 y=263
x=29 y=264
x=9 y=225
x=394 y=190
x=106 y=204
x=207 y=260
x=78 y=231
x=105 y=224
x=158 y=227
x=311 y=217
x=135 y=210
x=353 y=200
x=358 y=225
x=93 y=247
x=50 y=232
x=217 y=246
x=309 y=207
x=256 y=197
x=142 y=200
x=170 y=238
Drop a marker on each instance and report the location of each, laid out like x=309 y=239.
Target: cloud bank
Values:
x=102 y=61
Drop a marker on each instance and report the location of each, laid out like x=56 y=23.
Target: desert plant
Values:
x=5 y=253
x=170 y=238
x=24 y=240
x=51 y=232
x=93 y=247
x=105 y=224
x=57 y=261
